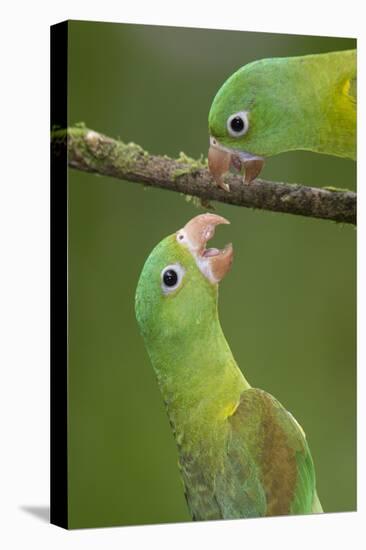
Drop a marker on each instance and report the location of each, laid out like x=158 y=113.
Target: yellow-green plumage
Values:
x=306 y=103
x=241 y=454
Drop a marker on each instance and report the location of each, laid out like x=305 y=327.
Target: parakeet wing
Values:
x=268 y=468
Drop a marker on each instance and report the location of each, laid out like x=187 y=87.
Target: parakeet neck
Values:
x=309 y=105
x=323 y=107
x=197 y=373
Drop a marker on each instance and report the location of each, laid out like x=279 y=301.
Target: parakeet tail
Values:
x=317 y=507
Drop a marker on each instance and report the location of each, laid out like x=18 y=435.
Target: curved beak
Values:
x=214 y=263
x=220 y=159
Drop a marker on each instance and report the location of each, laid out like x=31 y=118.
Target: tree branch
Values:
x=90 y=151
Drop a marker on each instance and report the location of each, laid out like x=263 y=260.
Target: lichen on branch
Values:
x=91 y=151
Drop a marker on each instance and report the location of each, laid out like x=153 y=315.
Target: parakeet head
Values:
x=177 y=289
x=250 y=117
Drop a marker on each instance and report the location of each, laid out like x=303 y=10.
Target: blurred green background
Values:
x=287 y=308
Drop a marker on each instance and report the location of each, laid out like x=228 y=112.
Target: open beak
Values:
x=213 y=262
x=220 y=159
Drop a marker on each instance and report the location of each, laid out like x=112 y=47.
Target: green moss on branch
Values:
x=91 y=151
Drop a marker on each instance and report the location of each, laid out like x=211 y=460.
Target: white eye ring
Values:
x=171 y=278
x=242 y=129
x=181 y=236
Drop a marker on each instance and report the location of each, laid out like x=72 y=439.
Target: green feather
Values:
x=241 y=454
x=306 y=103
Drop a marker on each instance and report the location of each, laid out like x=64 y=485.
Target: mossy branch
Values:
x=91 y=151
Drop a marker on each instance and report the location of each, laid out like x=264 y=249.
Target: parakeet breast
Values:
x=241 y=454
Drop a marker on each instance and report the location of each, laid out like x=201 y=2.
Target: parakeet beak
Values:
x=213 y=262
x=220 y=159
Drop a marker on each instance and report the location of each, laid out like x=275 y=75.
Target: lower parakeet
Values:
x=241 y=453
x=283 y=104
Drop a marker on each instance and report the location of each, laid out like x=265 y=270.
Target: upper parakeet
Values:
x=241 y=453
x=283 y=104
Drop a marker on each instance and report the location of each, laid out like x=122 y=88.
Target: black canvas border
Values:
x=59 y=292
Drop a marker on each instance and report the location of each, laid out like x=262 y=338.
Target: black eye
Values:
x=170 y=277
x=237 y=124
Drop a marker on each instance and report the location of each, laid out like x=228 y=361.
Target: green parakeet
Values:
x=241 y=453
x=283 y=104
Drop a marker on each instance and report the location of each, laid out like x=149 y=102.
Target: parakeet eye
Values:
x=171 y=277
x=238 y=124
